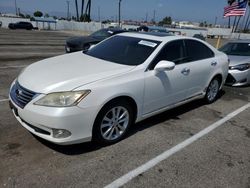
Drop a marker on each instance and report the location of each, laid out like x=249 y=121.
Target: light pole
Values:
x=119 y=17
x=67 y=10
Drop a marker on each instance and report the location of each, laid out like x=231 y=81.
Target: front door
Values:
x=167 y=87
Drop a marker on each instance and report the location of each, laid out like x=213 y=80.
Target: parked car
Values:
x=98 y=94
x=21 y=25
x=145 y=28
x=239 y=68
x=74 y=44
x=199 y=36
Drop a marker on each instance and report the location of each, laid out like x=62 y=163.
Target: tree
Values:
x=27 y=16
x=46 y=15
x=166 y=21
x=38 y=14
x=201 y=24
x=85 y=18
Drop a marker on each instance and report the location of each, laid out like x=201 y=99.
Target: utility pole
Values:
x=215 y=21
x=119 y=13
x=154 y=16
x=99 y=16
x=16 y=8
x=146 y=17
x=67 y=10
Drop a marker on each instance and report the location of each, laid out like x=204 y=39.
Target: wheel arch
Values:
x=127 y=98
x=117 y=99
x=220 y=78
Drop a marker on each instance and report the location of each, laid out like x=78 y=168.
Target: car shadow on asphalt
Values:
x=82 y=148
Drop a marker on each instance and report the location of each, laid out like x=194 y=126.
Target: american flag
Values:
x=236 y=9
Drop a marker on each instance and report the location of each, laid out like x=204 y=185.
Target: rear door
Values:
x=201 y=62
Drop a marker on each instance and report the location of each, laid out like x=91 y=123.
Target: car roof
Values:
x=115 y=29
x=157 y=36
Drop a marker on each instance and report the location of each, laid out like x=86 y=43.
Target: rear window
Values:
x=124 y=50
x=197 y=50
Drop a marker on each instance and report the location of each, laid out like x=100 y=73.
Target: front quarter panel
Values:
x=130 y=84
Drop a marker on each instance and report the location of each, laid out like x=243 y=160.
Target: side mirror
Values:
x=164 y=66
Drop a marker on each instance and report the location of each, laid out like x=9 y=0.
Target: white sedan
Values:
x=98 y=94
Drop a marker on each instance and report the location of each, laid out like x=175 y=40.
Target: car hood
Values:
x=237 y=60
x=67 y=72
x=81 y=40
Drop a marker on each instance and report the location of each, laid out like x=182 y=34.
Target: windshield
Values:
x=124 y=50
x=237 y=49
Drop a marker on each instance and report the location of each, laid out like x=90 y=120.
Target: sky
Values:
x=179 y=10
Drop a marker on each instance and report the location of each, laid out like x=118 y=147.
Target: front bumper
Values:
x=40 y=121
x=238 y=78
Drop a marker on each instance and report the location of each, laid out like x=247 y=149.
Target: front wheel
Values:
x=113 y=122
x=212 y=90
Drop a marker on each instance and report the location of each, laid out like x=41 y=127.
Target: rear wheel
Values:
x=212 y=90
x=113 y=122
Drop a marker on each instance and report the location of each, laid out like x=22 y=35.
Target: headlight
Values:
x=62 y=99
x=241 y=67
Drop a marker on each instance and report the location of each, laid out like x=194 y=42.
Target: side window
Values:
x=172 y=51
x=197 y=51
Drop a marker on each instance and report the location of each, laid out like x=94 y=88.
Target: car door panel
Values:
x=201 y=63
x=165 y=88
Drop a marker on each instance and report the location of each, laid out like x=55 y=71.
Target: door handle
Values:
x=214 y=63
x=185 y=71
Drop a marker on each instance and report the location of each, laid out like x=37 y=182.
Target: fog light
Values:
x=61 y=133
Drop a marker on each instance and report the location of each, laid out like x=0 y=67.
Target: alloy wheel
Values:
x=212 y=90
x=114 y=123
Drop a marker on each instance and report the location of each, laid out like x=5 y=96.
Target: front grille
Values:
x=21 y=96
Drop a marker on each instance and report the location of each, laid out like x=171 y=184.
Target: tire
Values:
x=86 y=46
x=212 y=91
x=113 y=122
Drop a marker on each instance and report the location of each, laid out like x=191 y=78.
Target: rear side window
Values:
x=197 y=51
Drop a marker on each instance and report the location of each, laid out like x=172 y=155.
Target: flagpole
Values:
x=234 y=23
x=235 y=30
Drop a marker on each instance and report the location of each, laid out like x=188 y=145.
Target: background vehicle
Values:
x=74 y=44
x=98 y=94
x=239 y=67
x=1 y=23
x=199 y=36
x=21 y=25
x=145 y=28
